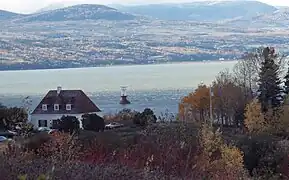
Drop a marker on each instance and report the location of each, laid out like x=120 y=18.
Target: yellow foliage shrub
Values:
x=209 y=140
x=254 y=118
x=232 y=156
x=219 y=160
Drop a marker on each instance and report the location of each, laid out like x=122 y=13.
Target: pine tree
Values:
x=286 y=83
x=270 y=92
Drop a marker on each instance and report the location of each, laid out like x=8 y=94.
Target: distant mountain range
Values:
x=6 y=15
x=79 y=12
x=202 y=11
x=278 y=18
x=234 y=11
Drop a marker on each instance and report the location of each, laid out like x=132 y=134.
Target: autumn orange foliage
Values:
x=198 y=101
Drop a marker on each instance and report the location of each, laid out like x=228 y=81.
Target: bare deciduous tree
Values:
x=247 y=69
x=229 y=99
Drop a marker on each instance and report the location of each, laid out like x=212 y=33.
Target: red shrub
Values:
x=167 y=156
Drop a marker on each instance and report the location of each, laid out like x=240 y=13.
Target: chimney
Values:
x=59 y=90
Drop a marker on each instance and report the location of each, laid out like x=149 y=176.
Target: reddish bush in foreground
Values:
x=167 y=157
x=158 y=153
x=175 y=154
x=10 y=170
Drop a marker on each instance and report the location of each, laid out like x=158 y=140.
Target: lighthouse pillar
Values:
x=123 y=96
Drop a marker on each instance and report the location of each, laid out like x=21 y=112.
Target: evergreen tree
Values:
x=286 y=83
x=270 y=92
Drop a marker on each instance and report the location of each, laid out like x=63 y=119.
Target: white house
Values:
x=58 y=103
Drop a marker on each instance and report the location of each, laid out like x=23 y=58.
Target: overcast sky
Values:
x=27 y=6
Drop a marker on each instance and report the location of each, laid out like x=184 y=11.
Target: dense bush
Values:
x=92 y=122
x=139 y=120
x=149 y=115
x=69 y=124
x=12 y=117
x=26 y=130
x=126 y=114
x=123 y=115
x=262 y=156
x=144 y=118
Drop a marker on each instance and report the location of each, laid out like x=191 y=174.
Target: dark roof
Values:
x=80 y=103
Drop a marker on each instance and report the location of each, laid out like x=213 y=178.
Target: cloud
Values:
x=22 y=5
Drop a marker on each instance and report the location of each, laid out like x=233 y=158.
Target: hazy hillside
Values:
x=202 y=11
x=6 y=15
x=52 y=7
x=281 y=15
x=276 y=19
x=79 y=12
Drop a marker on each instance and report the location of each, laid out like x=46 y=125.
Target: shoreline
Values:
x=119 y=65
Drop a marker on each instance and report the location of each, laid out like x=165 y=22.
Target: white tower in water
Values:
x=123 y=96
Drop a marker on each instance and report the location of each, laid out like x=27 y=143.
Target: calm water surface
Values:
x=156 y=86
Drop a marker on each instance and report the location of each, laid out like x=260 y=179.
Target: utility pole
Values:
x=185 y=119
x=211 y=106
x=27 y=102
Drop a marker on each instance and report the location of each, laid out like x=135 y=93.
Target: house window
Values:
x=42 y=123
x=44 y=107
x=56 y=107
x=68 y=107
x=55 y=124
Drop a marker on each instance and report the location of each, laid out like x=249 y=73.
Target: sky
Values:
x=28 y=6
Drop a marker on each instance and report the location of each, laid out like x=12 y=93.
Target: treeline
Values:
x=259 y=75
